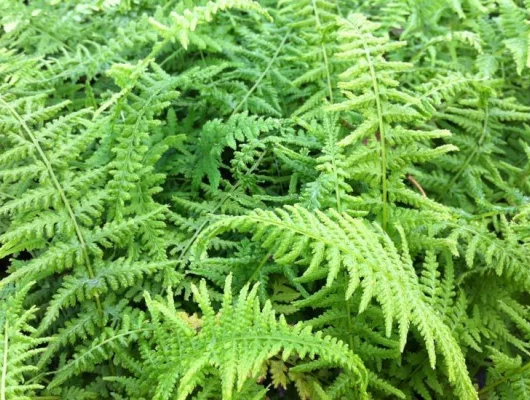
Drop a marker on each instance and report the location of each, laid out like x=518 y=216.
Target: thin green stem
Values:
x=258 y=269
x=337 y=192
x=45 y=398
x=263 y=74
x=381 y=123
x=324 y=52
x=348 y=314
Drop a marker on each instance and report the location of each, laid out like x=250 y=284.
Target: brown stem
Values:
x=418 y=186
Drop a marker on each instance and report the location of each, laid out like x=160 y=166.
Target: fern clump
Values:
x=232 y=199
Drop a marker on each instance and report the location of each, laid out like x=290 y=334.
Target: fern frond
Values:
x=342 y=242
x=19 y=347
x=240 y=330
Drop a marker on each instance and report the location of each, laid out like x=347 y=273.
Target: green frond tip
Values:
x=237 y=341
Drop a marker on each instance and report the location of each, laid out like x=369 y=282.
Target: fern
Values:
x=245 y=334
x=289 y=234
x=369 y=84
x=356 y=170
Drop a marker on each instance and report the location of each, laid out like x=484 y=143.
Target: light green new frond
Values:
x=246 y=335
x=371 y=260
x=388 y=141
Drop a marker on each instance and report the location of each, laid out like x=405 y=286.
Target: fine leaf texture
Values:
x=239 y=199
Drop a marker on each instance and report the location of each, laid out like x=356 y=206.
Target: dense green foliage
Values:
x=229 y=199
